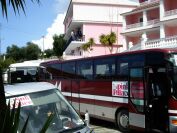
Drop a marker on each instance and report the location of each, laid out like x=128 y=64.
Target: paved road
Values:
x=101 y=126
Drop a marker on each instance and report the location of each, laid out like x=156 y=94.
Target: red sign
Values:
x=24 y=100
x=120 y=88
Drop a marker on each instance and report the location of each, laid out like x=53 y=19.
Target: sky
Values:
x=44 y=19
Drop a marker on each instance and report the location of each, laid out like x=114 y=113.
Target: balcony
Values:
x=170 y=13
x=149 y=2
x=72 y=44
x=152 y=22
x=169 y=42
x=136 y=25
x=141 y=26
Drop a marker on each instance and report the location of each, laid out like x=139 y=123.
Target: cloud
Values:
x=57 y=27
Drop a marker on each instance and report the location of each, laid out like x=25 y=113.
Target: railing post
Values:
x=143 y=40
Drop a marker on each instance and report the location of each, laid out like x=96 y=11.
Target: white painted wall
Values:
x=124 y=2
x=98 y=13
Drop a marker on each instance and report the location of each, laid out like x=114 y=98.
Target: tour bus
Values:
x=26 y=71
x=135 y=89
x=23 y=72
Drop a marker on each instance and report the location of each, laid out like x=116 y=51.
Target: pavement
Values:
x=101 y=126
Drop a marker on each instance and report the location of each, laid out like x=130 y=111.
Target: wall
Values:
x=95 y=30
x=98 y=13
x=170 y=5
x=100 y=50
x=170 y=31
x=153 y=14
x=134 y=18
x=153 y=35
x=134 y=40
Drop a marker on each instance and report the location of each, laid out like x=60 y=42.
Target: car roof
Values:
x=23 y=88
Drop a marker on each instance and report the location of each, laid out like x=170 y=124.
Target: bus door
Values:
x=75 y=85
x=157 y=91
x=136 y=98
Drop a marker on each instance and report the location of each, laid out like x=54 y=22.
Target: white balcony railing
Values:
x=169 y=42
x=171 y=12
x=148 y=2
x=152 y=22
x=136 y=25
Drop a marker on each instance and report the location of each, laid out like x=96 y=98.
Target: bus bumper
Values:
x=173 y=124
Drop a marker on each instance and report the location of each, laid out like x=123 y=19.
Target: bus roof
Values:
x=24 y=88
x=31 y=63
x=167 y=50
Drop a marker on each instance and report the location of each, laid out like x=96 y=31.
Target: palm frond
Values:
x=47 y=123
x=17 y=5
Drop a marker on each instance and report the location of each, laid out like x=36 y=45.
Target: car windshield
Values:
x=40 y=105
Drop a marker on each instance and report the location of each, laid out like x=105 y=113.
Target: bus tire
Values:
x=122 y=120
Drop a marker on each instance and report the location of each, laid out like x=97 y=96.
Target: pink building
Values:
x=91 y=18
x=153 y=24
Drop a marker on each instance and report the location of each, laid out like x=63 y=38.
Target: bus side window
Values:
x=123 y=70
x=105 y=68
x=68 y=70
x=137 y=88
x=85 y=69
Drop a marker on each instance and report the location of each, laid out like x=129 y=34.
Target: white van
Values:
x=39 y=100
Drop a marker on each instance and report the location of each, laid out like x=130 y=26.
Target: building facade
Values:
x=87 y=19
x=153 y=24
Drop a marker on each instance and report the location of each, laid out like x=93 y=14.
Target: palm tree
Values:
x=88 y=46
x=16 y=4
x=108 y=40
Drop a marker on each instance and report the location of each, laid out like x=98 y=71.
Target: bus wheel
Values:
x=123 y=120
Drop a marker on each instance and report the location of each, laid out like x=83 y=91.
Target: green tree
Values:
x=4 y=64
x=29 y=52
x=17 y=5
x=88 y=46
x=32 y=51
x=48 y=53
x=108 y=40
x=58 y=44
x=15 y=53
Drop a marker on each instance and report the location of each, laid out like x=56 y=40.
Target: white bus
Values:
x=26 y=71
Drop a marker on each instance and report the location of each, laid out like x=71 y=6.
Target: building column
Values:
x=144 y=18
x=162 y=9
x=143 y=40
x=123 y=23
x=162 y=31
x=125 y=44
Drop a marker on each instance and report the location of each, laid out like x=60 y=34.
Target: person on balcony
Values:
x=79 y=34
x=73 y=35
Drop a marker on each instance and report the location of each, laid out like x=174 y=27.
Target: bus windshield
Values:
x=173 y=73
x=40 y=105
x=174 y=82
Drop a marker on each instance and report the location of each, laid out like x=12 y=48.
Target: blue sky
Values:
x=40 y=20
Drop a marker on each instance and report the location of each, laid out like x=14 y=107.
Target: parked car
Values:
x=38 y=101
